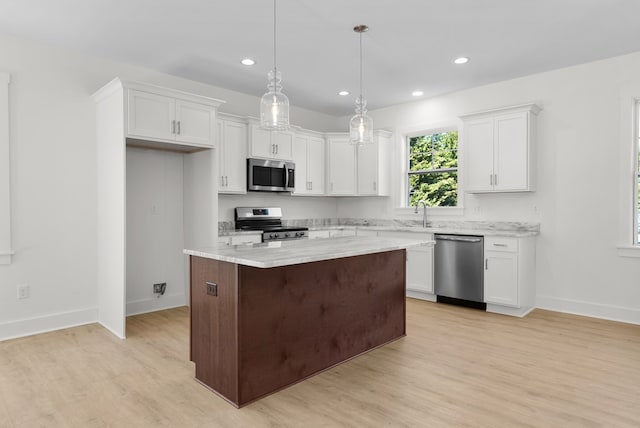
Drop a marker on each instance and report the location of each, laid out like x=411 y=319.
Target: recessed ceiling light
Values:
x=417 y=93
x=248 y=61
x=461 y=60
x=343 y=93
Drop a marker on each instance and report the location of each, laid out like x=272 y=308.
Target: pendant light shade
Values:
x=274 y=105
x=361 y=125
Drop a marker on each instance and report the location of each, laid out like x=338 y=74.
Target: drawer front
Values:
x=497 y=243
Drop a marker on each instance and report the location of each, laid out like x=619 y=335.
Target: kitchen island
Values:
x=266 y=316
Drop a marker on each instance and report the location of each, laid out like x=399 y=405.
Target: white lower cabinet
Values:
x=509 y=275
x=419 y=265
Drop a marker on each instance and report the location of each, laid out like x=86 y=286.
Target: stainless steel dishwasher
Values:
x=459 y=270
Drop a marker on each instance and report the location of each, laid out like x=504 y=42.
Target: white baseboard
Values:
x=167 y=301
x=44 y=324
x=595 y=310
x=421 y=295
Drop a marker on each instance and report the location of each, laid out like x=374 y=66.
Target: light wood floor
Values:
x=456 y=367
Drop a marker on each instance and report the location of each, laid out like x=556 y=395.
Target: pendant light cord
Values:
x=361 y=67
x=274 y=37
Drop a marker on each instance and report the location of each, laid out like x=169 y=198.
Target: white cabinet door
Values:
x=341 y=164
x=498 y=150
x=283 y=145
x=420 y=269
x=270 y=145
x=511 y=153
x=419 y=261
x=368 y=169
x=501 y=278
x=300 y=158
x=260 y=142
x=195 y=123
x=151 y=116
x=478 y=162
x=315 y=165
x=232 y=157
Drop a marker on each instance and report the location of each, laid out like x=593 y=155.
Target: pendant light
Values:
x=361 y=125
x=274 y=105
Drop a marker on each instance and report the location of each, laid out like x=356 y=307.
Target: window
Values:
x=433 y=169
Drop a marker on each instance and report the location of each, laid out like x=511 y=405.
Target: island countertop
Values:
x=275 y=254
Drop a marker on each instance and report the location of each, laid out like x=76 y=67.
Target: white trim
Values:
x=5 y=172
x=634 y=159
x=47 y=323
x=628 y=251
x=421 y=295
x=5 y=258
x=453 y=124
x=588 y=309
x=156 y=304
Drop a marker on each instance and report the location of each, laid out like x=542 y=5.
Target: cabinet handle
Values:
x=499 y=245
x=226 y=181
x=495 y=179
x=490 y=179
x=276 y=149
x=178 y=128
x=311 y=185
x=173 y=126
x=486 y=264
x=374 y=186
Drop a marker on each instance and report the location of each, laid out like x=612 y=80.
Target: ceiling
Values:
x=411 y=44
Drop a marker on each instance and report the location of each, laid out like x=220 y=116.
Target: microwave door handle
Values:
x=286 y=177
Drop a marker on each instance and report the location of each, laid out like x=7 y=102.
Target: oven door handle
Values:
x=286 y=176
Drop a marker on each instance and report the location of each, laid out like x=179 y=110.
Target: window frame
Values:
x=402 y=208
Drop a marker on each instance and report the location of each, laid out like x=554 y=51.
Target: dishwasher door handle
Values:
x=457 y=238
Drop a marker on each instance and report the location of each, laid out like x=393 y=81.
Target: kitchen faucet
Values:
x=424 y=213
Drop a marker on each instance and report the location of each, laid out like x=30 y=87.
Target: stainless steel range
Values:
x=269 y=221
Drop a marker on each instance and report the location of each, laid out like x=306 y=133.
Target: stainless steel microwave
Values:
x=270 y=175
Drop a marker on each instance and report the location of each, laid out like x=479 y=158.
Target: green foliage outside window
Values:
x=433 y=169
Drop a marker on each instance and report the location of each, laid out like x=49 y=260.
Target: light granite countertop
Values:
x=274 y=254
x=483 y=228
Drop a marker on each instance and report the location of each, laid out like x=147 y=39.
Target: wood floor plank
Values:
x=456 y=367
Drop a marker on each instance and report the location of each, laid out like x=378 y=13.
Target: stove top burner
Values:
x=269 y=221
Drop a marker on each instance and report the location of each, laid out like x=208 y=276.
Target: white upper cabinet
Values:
x=161 y=115
x=341 y=166
x=270 y=144
x=358 y=170
x=308 y=155
x=373 y=166
x=499 y=150
x=232 y=155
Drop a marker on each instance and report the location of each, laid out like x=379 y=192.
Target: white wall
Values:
x=293 y=207
x=53 y=178
x=155 y=232
x=584 y=169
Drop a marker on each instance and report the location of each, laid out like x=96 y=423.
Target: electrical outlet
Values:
x=159 y=288
x=23 y=291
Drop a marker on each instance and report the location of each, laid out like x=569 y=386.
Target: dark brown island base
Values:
x=257 y=330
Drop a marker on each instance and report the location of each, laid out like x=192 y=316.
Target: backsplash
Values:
x=227 y=226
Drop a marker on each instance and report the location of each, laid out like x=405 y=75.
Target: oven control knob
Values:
x=299 y=234
x=286 y=235
x=273 y=235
